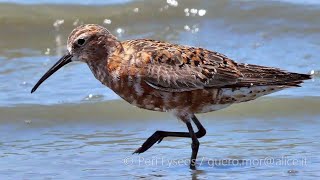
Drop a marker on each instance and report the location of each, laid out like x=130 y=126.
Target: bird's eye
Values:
x=81 y=42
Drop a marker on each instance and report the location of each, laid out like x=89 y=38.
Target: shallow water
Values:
x=73 y=127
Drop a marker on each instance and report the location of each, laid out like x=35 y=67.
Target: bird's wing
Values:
x=176 y=68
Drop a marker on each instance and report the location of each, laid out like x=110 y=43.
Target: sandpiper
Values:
x=161 y=76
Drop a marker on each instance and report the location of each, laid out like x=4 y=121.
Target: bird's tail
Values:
x=268 y=76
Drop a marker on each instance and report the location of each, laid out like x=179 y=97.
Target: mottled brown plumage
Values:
x=162 y=76
x=178 y=68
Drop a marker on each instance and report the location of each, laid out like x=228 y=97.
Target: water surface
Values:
x=73 y=127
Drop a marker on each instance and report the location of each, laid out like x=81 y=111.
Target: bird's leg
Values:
x=159 y=135
x=201 y=130
x=194 y=146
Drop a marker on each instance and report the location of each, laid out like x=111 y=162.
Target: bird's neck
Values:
x=101 y=68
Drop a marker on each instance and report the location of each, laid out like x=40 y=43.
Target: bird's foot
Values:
x=156 y=137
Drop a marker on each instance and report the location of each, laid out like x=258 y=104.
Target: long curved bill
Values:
x=63 y=61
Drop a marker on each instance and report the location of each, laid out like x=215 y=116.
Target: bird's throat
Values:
x=100 y=72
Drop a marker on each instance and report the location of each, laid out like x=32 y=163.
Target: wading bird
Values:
x=160 y=76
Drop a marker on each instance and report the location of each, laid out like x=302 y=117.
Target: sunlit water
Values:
x=73 y=127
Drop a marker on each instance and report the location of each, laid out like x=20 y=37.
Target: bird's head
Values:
x=88 y=43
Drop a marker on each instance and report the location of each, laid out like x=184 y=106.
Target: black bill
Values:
x=63 y=61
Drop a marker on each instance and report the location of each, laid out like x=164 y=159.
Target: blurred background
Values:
x=75 y=127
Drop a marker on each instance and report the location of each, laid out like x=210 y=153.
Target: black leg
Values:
x=201 y=130
x=194 y=146
x=159 y=135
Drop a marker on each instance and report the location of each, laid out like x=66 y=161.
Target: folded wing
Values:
x=176 y=68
